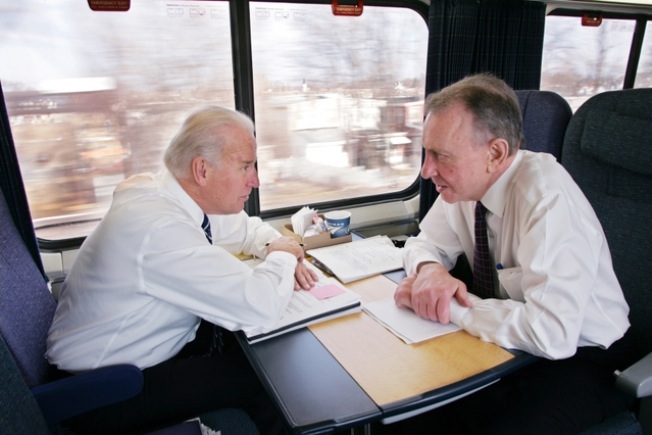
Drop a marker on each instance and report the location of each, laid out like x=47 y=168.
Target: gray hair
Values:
x=203 y=134
x=492 y=102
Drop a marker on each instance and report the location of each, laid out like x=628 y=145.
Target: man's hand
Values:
x=304 y=278
x=429 y=292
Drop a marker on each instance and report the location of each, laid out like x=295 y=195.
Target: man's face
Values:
x=456 y=155
x=230 y=182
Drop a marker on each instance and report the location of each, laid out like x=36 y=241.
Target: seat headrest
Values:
x=619 y=139
x=608 y=145
x=545 y=118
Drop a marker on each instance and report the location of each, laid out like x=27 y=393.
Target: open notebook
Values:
x=327 y=300
x=359 y=259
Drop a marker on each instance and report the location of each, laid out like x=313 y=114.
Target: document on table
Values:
x=404 y=323
x=328 y=299
x=359 y=259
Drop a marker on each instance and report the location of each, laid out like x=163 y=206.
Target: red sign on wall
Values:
x=110 y=5
x=351 y=10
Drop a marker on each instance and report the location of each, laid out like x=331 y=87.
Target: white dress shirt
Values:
x=558 y=289
x=145 y=277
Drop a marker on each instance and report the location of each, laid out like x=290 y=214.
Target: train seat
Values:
x=32 y=400
x=608 y=151
x=545 y=117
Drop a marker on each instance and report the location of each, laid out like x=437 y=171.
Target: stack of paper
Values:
x=359 y=259
x=404 y=323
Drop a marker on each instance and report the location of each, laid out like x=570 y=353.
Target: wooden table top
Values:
x=390 y=370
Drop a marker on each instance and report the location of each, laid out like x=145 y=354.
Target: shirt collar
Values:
x=494 y=199
x=173 y=188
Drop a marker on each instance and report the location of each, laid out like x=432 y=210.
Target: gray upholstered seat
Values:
x=545 y=117
x=608 y=151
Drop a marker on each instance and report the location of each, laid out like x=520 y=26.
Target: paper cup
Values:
x=338 y=222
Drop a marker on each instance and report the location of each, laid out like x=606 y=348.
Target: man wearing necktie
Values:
x=543 y=281
x=158 y=283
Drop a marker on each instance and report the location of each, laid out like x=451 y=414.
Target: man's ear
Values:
x=498 y=153
x=199 y=170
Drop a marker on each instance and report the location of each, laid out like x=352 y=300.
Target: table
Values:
x=351 y=371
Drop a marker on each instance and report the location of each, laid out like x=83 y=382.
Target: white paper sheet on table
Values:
x=404 y=323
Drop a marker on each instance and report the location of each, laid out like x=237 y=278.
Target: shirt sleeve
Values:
x=209 y=281
x=242 y=234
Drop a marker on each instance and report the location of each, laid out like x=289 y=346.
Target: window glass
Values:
x=339 y=101
x=581 y=61
x=644 y=73
x=94 y=97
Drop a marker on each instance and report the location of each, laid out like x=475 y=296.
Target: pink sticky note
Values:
x=326 y=291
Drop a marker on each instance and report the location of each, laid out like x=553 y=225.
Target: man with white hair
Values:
x=157 y=283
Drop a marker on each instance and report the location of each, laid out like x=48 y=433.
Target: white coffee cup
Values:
x=338 y=222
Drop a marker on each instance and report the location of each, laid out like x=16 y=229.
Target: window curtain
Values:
x=13 y=189
x=502 y=37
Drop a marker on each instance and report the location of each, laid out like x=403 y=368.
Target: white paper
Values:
x=404 y=323
x=302 y=219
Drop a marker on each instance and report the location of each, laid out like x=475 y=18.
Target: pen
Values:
x=322 y=266
x=300 y=244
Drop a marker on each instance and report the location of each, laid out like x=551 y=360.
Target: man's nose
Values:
x=254 y=181
x=429 y=168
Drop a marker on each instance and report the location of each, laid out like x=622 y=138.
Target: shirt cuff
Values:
x=283 y=256
x=458 y=312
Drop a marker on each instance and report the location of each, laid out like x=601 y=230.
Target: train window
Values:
x=339 y=101
x=581 y=61
x=94 y=97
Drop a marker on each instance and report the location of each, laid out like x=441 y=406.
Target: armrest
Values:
x=65 y=398
x=636 y=380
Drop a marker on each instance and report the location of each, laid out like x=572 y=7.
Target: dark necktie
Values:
x=483 y=278
x=206 y=226
x=217 y=342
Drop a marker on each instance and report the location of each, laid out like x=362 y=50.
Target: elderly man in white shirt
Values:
x=555 y=294
x=157 y=277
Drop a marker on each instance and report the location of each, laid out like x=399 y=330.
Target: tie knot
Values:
x=480 y=210
x=206 y=226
